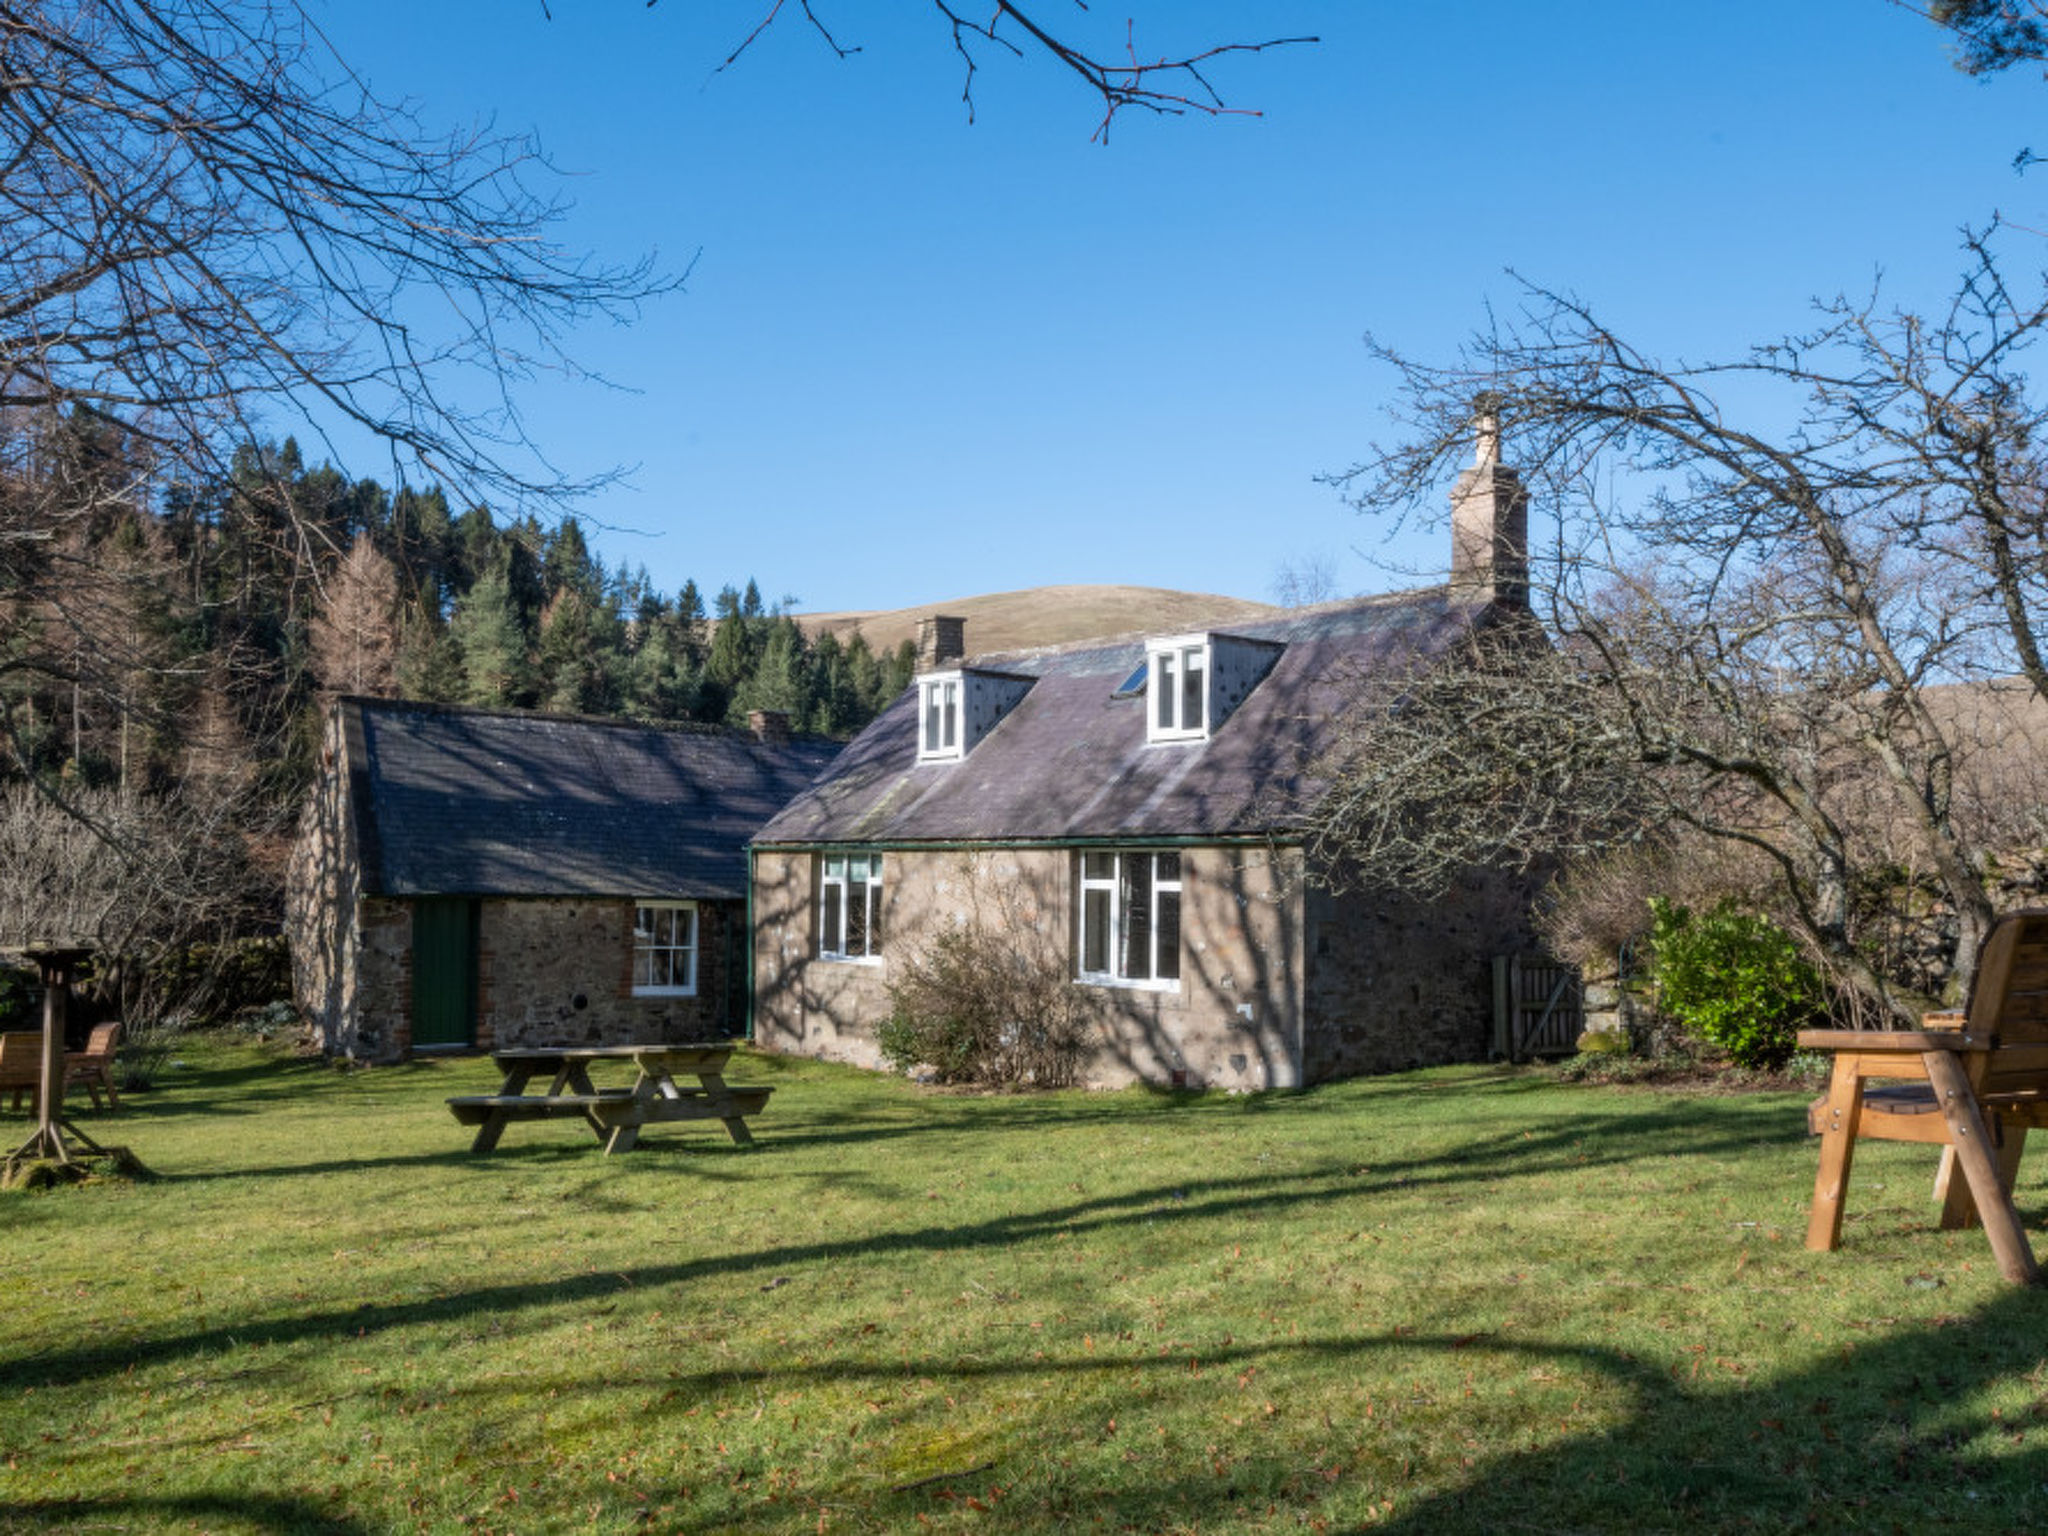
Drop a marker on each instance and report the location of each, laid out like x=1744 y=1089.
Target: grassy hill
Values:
x=1015 y=621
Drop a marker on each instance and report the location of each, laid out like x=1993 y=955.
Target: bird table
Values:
x=57 y=964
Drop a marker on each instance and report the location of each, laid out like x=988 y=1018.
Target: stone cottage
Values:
x=479 y=878
x=1131 y=812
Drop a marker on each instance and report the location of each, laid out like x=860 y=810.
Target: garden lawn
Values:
x=1472 y=1299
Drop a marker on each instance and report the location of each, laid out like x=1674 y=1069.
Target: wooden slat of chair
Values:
x=21 y=1066
x=94 y=1066
x=1971 y=1083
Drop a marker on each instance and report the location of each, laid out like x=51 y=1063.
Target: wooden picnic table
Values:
x=614 y=1114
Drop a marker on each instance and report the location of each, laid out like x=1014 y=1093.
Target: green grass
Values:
x=1458 y=1300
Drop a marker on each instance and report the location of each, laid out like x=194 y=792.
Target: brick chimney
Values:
x=769 y=725
x=941 y=641
x=1490 y=518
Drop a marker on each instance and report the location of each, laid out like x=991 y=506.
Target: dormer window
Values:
x=1180 y=693
x=1192 y=683
x=940 y=699
x=955 y=709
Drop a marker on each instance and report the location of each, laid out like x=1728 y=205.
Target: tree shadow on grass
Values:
x=229 y=1512
x=1492 y=1164
x=1889 y=1433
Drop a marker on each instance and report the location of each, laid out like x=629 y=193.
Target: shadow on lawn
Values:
x=112 y=1512
x=1488 y=1165
x=1879 y=1436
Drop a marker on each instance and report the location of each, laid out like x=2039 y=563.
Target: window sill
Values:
x=664 y=992
x=873 y=960
x=1119 y=984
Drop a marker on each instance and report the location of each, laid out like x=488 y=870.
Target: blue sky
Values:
x=919 y=359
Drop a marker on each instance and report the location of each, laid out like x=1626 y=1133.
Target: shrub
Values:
x=973 y=1007
x=1735 y=980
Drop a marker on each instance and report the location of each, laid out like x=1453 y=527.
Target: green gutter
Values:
x=1124 y=840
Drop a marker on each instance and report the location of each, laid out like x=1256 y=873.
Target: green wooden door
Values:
x=443 y=973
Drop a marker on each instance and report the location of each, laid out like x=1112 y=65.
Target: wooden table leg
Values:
x=1837 y=1154
x=735 y=1125
x=487 y=1134
x=1977 y=1158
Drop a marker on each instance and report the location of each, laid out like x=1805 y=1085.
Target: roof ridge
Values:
x=557 y=717
x=1282 y=619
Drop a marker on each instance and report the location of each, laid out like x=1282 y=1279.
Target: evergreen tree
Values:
x=661 y=682
x=781 y=680
x=422 y=542
x=492 y=640
x=578 y=656
x=429 y=661
x=896 y=675
x=566 y=564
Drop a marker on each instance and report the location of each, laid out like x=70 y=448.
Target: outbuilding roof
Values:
x=450 y=801
x=1071 y=760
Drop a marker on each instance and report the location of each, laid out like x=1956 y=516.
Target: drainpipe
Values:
x=751 y=857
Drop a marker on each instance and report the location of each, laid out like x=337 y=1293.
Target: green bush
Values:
x=1735 y=980
x=974 y=1007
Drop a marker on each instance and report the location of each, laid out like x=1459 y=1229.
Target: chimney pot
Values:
x=770 y=725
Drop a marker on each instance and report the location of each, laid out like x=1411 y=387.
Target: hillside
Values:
x=1014 y=621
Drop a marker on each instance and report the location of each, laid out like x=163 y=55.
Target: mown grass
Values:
x=1473 y=1299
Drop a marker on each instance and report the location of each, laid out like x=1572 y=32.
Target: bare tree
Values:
x=1755 y=624
x=1305 y=580
x=355 y=634
x=1170 y=84
x=208 y=225
x=205 y=217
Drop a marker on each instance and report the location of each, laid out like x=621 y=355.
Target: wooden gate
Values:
x=1538 y=1007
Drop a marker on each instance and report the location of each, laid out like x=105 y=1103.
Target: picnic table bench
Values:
x=615 y=1115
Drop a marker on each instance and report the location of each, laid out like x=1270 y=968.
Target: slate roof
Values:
x=1071 y=762
x=470 y=802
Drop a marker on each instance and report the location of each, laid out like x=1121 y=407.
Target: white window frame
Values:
x=836 y=885
x=1167 y=705
x=1111 y=889
x=941 y=722
x=648 y=943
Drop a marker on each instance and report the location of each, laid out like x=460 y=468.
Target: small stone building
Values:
x=478 y=878
x=1132 y=812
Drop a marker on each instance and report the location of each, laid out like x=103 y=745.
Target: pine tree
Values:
x=578 y=657
x=781 y=680
x=429 y=662
x=493 y=642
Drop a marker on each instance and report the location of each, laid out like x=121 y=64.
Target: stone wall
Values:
x=560 y=972
x=549 y=972
x=1394 y=984
x=1233 y=1022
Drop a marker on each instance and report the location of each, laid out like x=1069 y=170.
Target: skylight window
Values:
x=1133 y=686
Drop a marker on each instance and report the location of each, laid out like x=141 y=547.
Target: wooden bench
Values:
x=1972 y=1083
x=21 y=1065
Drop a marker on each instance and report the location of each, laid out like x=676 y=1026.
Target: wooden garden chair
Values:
x=21 y=1066
x=94 y=1066
x=1971 y=1083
